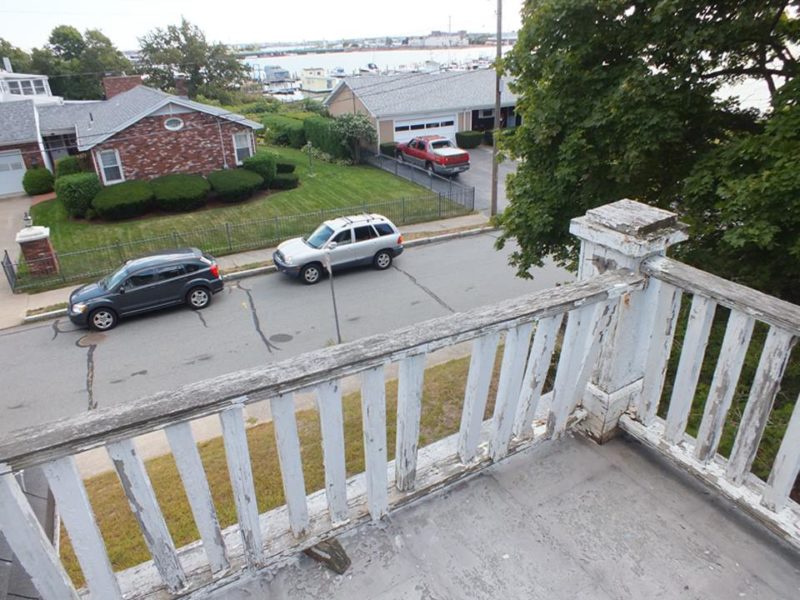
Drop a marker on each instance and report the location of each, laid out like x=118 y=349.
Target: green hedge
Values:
x=123 y=200
x=68 y=165
x=284 y=131
x=37 y=181
x=285 y=181
x=180 y=192
x=389 y=149
x=321 y=133
x=285 y=167
x=263 y=163
x=235 y=184
x=469 y=139
x=76 y=192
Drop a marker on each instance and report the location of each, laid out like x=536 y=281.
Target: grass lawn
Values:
x=443 y=396
x=327 y=187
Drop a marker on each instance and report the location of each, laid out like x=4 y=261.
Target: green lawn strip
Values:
x=441 y=414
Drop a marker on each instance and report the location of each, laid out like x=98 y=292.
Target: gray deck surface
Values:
x=571 y=520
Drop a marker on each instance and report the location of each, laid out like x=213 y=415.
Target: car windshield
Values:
x=441 y=144
x=319 y=237
x=113 y=280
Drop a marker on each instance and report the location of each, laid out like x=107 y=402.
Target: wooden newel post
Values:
x=621 y=235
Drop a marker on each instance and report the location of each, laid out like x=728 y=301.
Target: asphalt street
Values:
x=51 y=370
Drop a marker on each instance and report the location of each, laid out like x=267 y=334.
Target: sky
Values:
x=27 y=23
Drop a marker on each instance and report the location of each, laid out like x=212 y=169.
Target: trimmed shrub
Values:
x=180 y=192
x=322 y=134
x=37 y=181
x=77 y=191
x=285 y=167
x=469 y=139
x=235 y=184
x=285 y=181
x=68 y=165
x=389 y=149
x=284 y=131
x=263 y=163
x=123 y=200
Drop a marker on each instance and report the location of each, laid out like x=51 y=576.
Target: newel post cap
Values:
x=33 y=234
x=631 y=228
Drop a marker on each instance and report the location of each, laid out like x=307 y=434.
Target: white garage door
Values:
x=12 y=169
x=444 y=125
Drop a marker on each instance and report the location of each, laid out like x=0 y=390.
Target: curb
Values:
x=53 y=314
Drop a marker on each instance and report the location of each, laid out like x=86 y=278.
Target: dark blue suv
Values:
x=148 y=283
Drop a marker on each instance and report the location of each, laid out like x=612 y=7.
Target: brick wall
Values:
x=147 y=149
x=121 y=83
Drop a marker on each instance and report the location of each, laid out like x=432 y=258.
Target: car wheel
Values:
x=311 y=274
x=382 y=260
x=198 y=297
x=102 y=319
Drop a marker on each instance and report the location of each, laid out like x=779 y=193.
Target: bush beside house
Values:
x=469 y=139
x=284 y=131
x=285 y=167
x=263 y=163
x=180 y=192
x=123 y=200
x=235 y=185
x=285 y=181
x=77 y=191
x=68 y=165
x=322 y=134
x=37 y=181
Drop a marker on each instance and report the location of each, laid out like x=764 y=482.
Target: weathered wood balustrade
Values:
x=615 y=326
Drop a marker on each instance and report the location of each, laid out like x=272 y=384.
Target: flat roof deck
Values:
x=570 y=520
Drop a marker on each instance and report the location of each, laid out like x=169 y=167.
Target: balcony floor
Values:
x=570 y=520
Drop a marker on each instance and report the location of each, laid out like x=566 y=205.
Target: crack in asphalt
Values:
x=256 y=322
x=202 y=318
x=89 y=371
x=428 y=291
x=56 y=329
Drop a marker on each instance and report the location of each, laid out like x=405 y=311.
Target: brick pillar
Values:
x=38 y=251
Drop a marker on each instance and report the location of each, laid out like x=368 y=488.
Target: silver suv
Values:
x=345 y=242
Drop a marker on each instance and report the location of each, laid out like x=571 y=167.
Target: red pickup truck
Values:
x=435 y=153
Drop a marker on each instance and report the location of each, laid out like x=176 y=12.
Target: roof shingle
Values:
x=18 y=122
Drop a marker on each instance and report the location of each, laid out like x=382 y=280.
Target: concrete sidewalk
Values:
x=14 y=307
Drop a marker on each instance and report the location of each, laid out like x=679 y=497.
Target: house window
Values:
x=38 y=86
x=486 y=113
x=243 y=146
x=401 y=128
x=110 y=166
x=174 y=124
x=27 y=87
x=13 y=87
x=447 y=123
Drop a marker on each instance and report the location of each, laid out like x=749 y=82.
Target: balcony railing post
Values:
x=621 y=235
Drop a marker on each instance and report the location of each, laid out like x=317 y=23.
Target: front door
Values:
x=343 y=252
x=138 y=293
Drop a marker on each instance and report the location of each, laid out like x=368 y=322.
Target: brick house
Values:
x=135 y=133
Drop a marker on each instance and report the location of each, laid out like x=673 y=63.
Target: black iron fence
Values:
x=455 y=191
x=226 y=238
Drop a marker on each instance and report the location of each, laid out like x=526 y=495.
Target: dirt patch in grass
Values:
x=443 y=396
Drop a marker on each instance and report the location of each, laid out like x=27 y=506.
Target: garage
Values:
x=12 y=170
x=444 y=125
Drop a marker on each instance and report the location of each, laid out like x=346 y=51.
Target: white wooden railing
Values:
x=615 y=327
x=529 y=326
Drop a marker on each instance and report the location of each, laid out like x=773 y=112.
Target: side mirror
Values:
x=121 y=289
x=332 y=245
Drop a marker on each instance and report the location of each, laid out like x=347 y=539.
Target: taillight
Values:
x=214 y=269
x=400 y=239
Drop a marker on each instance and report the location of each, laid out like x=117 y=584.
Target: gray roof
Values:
x=55 y=118
x=107 y=118
x=17 y=122
x=421 y=93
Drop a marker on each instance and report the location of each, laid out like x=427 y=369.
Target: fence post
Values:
x=403 y=200
x=228 y=233
x=440 y=206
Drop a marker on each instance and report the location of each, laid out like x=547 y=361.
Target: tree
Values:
x=622 y=99
x=353 y=130
x=211 y=69
x=76 y=63
x=20 y=60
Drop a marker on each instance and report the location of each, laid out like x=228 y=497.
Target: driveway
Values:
x=479 y=176
x=11 y=212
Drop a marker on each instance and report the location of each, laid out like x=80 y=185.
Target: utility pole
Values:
x=497 y=70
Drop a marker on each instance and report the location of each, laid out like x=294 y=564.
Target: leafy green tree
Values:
x=354 y=130
x=20 y=60
x=66 y=42
x=624 y=99
x=212 y=69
